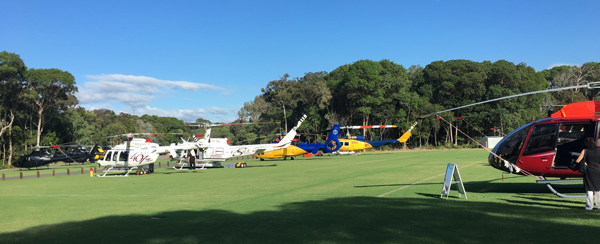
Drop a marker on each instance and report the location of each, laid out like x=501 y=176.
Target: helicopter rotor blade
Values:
x=356 y=127
x=216 y=125
x=590 y=85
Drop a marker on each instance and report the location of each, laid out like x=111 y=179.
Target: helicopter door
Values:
x=208 y=153
x=570 y=142
x=540 y=148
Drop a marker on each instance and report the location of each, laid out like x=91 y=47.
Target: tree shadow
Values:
x=336 y=220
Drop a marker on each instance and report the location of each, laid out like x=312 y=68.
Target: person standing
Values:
x=191 y=160
x=591 y=177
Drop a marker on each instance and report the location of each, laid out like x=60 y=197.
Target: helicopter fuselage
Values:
x=545 y=147
x=123 y=158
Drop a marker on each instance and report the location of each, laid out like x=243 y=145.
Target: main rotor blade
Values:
x=588 y=85
x=368 y=127
x=215 y=125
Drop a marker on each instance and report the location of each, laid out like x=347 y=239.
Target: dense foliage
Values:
x=38 y=106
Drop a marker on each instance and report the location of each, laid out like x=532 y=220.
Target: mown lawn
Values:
x=385 y=197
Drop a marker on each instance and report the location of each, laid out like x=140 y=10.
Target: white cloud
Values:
x=188 y=115
x=138 y=92
x=87 y=96
x=144 y=83
x=99 y=106
x=134 y=91
x=563 y=64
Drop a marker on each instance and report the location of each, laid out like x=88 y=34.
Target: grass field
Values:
x=371 y=198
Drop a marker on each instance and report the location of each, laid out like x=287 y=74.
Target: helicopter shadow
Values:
x=262 y=165
x=544 y=203
x=549 y=199
x=181 y=172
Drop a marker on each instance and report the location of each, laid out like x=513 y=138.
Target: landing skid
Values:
x=183 y=167
x=125 y=175
x=183 y=164
x=180 y=168
x=550 y=182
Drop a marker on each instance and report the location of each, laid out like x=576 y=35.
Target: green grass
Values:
x=370 y=198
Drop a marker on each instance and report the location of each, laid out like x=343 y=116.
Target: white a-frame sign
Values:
x=452 y=176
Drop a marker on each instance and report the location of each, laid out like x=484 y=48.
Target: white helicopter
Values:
x=211 y=151
x=135 y=153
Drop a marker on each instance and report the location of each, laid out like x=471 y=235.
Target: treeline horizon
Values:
x=38 y=106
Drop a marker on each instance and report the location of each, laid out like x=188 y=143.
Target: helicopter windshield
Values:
x=510 y=147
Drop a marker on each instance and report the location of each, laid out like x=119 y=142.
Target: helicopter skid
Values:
x=551 y=188
x=346 y=153
x=125 y=175
x=180 y=168
x=183 y=167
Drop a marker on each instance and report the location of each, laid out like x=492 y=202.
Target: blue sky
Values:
x=205 y=59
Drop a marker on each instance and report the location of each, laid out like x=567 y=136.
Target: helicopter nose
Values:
x=497 y=163
x=18 y=162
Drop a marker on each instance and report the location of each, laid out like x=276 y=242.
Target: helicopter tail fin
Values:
x=407 y=134
x=94 y=153
x=287 y=140
x=332 y=143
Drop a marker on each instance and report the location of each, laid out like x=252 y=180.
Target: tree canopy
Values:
x=38 y=106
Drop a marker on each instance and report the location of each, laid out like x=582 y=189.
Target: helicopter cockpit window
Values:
x=510 y=147
x=123 y=156
x=542 y=139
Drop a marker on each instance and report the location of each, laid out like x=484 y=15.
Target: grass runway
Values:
x=379 y=197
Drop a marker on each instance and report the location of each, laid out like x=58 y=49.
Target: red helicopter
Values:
x=547 y=147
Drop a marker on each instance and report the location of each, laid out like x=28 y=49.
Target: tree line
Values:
x=38 y=106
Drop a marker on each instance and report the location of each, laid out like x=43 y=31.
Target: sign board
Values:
x=452 y=176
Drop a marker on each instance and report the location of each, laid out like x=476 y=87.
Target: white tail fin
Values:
x=292 y=133
x=207 y=134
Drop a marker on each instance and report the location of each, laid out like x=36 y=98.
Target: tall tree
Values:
x=376 y=91
x=313 y=100
x=281 y=92
x=50 y=89
x=12 y=73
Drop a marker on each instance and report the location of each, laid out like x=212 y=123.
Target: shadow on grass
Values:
x=338 y=220
x=493 y=186
x=521 y=187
